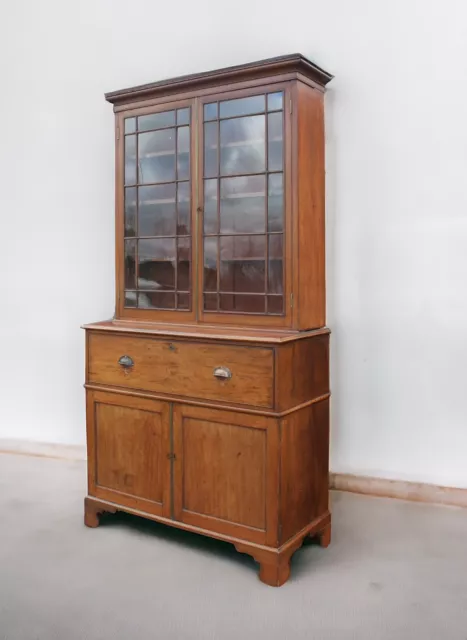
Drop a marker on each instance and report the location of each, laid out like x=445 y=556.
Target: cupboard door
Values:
x=156 y=212
x=226 y=472
x=128 y=451
x=244 y=221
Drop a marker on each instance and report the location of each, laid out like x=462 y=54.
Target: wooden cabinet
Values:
x=208 y=392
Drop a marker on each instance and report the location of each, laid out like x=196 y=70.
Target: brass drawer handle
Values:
x=126 y=362
x=222 y=373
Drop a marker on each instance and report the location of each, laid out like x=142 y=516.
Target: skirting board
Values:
x=381 y=487
x=43 y=449
x=400 y=489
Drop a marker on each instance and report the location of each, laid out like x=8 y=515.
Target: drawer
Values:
x=237 y=374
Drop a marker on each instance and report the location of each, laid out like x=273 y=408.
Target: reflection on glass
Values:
x=242 y=145
x=276 y=249
x=210 y=301
x=210 y=264
x=275 y=144
x=275 y=101
x=183 y=267
x=242 y=303
x=241 y=106
x=156 y=260
x=156 y=156
x=156 y=300
x=183 y=206
x=130 y=211
x=131 y=299
x=210 y=111
x=275 y=268
x=130 y=159
x=156 y=121
x=130 y=264
x=276 y=202
x=242 y=206
x=242 y=263
x=275 y=304
x=156 y=210
x=210 y=206
x=183 y=153
x=210 y=149
x=130 y=125
x=183 y=116
x=183 y=300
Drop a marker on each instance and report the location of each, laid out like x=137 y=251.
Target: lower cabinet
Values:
x=208 y=468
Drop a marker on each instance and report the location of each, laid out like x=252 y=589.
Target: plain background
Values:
x=396 y=122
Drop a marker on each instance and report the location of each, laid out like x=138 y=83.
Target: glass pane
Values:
x=183 y=204
x=276 y=249
x=242 y=207
x=156 y=155
x=210 y=111
x=183 y=266
x=130 y=264
x=183 y=153
x=156 y=210
x=183 y=116
x=131 y=298
x=210 y=301
x=275 y=143
x=242 y=304
x=242 y=145
x=130 y=211
x=210 y=149
x=130 y=125
x=130 y=160
x=276 y=202
x=242 y=263
x=275 y=101
x=242 y=106
x=210 y=206
x=210 y=264
x=156 y=300
x=275 y=304
x=183 y=301
x=156 y=259
x=156 y=121
x=275 y=265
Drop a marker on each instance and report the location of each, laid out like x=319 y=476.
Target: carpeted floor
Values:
x=394 y=570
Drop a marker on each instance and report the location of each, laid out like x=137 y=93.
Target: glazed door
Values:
x=226 y=471
x=154 y=213
x=244 y=232
x=129 y=451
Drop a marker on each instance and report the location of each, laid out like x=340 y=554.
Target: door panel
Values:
x=226 y=472
x=130 y=443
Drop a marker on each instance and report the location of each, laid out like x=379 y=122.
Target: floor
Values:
x=394 y=570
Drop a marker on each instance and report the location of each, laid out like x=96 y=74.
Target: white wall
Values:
x=396 y=203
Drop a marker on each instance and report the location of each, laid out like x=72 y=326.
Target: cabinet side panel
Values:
x=302 y=371
x=311 y=302
x=304 y=467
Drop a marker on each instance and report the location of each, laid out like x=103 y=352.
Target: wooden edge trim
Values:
x=111 y=506
x=399 y=489
x=295 y=62
x=317 y=525
x=223 y=405
x=152 y=330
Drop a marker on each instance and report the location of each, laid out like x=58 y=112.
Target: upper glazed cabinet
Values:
x=220 y=197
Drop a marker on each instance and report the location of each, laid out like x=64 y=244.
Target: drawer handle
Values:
x=126 y=361
x=222 y=373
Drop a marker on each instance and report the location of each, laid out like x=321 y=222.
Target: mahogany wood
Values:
x=244 y=457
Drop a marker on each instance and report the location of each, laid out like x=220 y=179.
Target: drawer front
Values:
x=242 y=375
